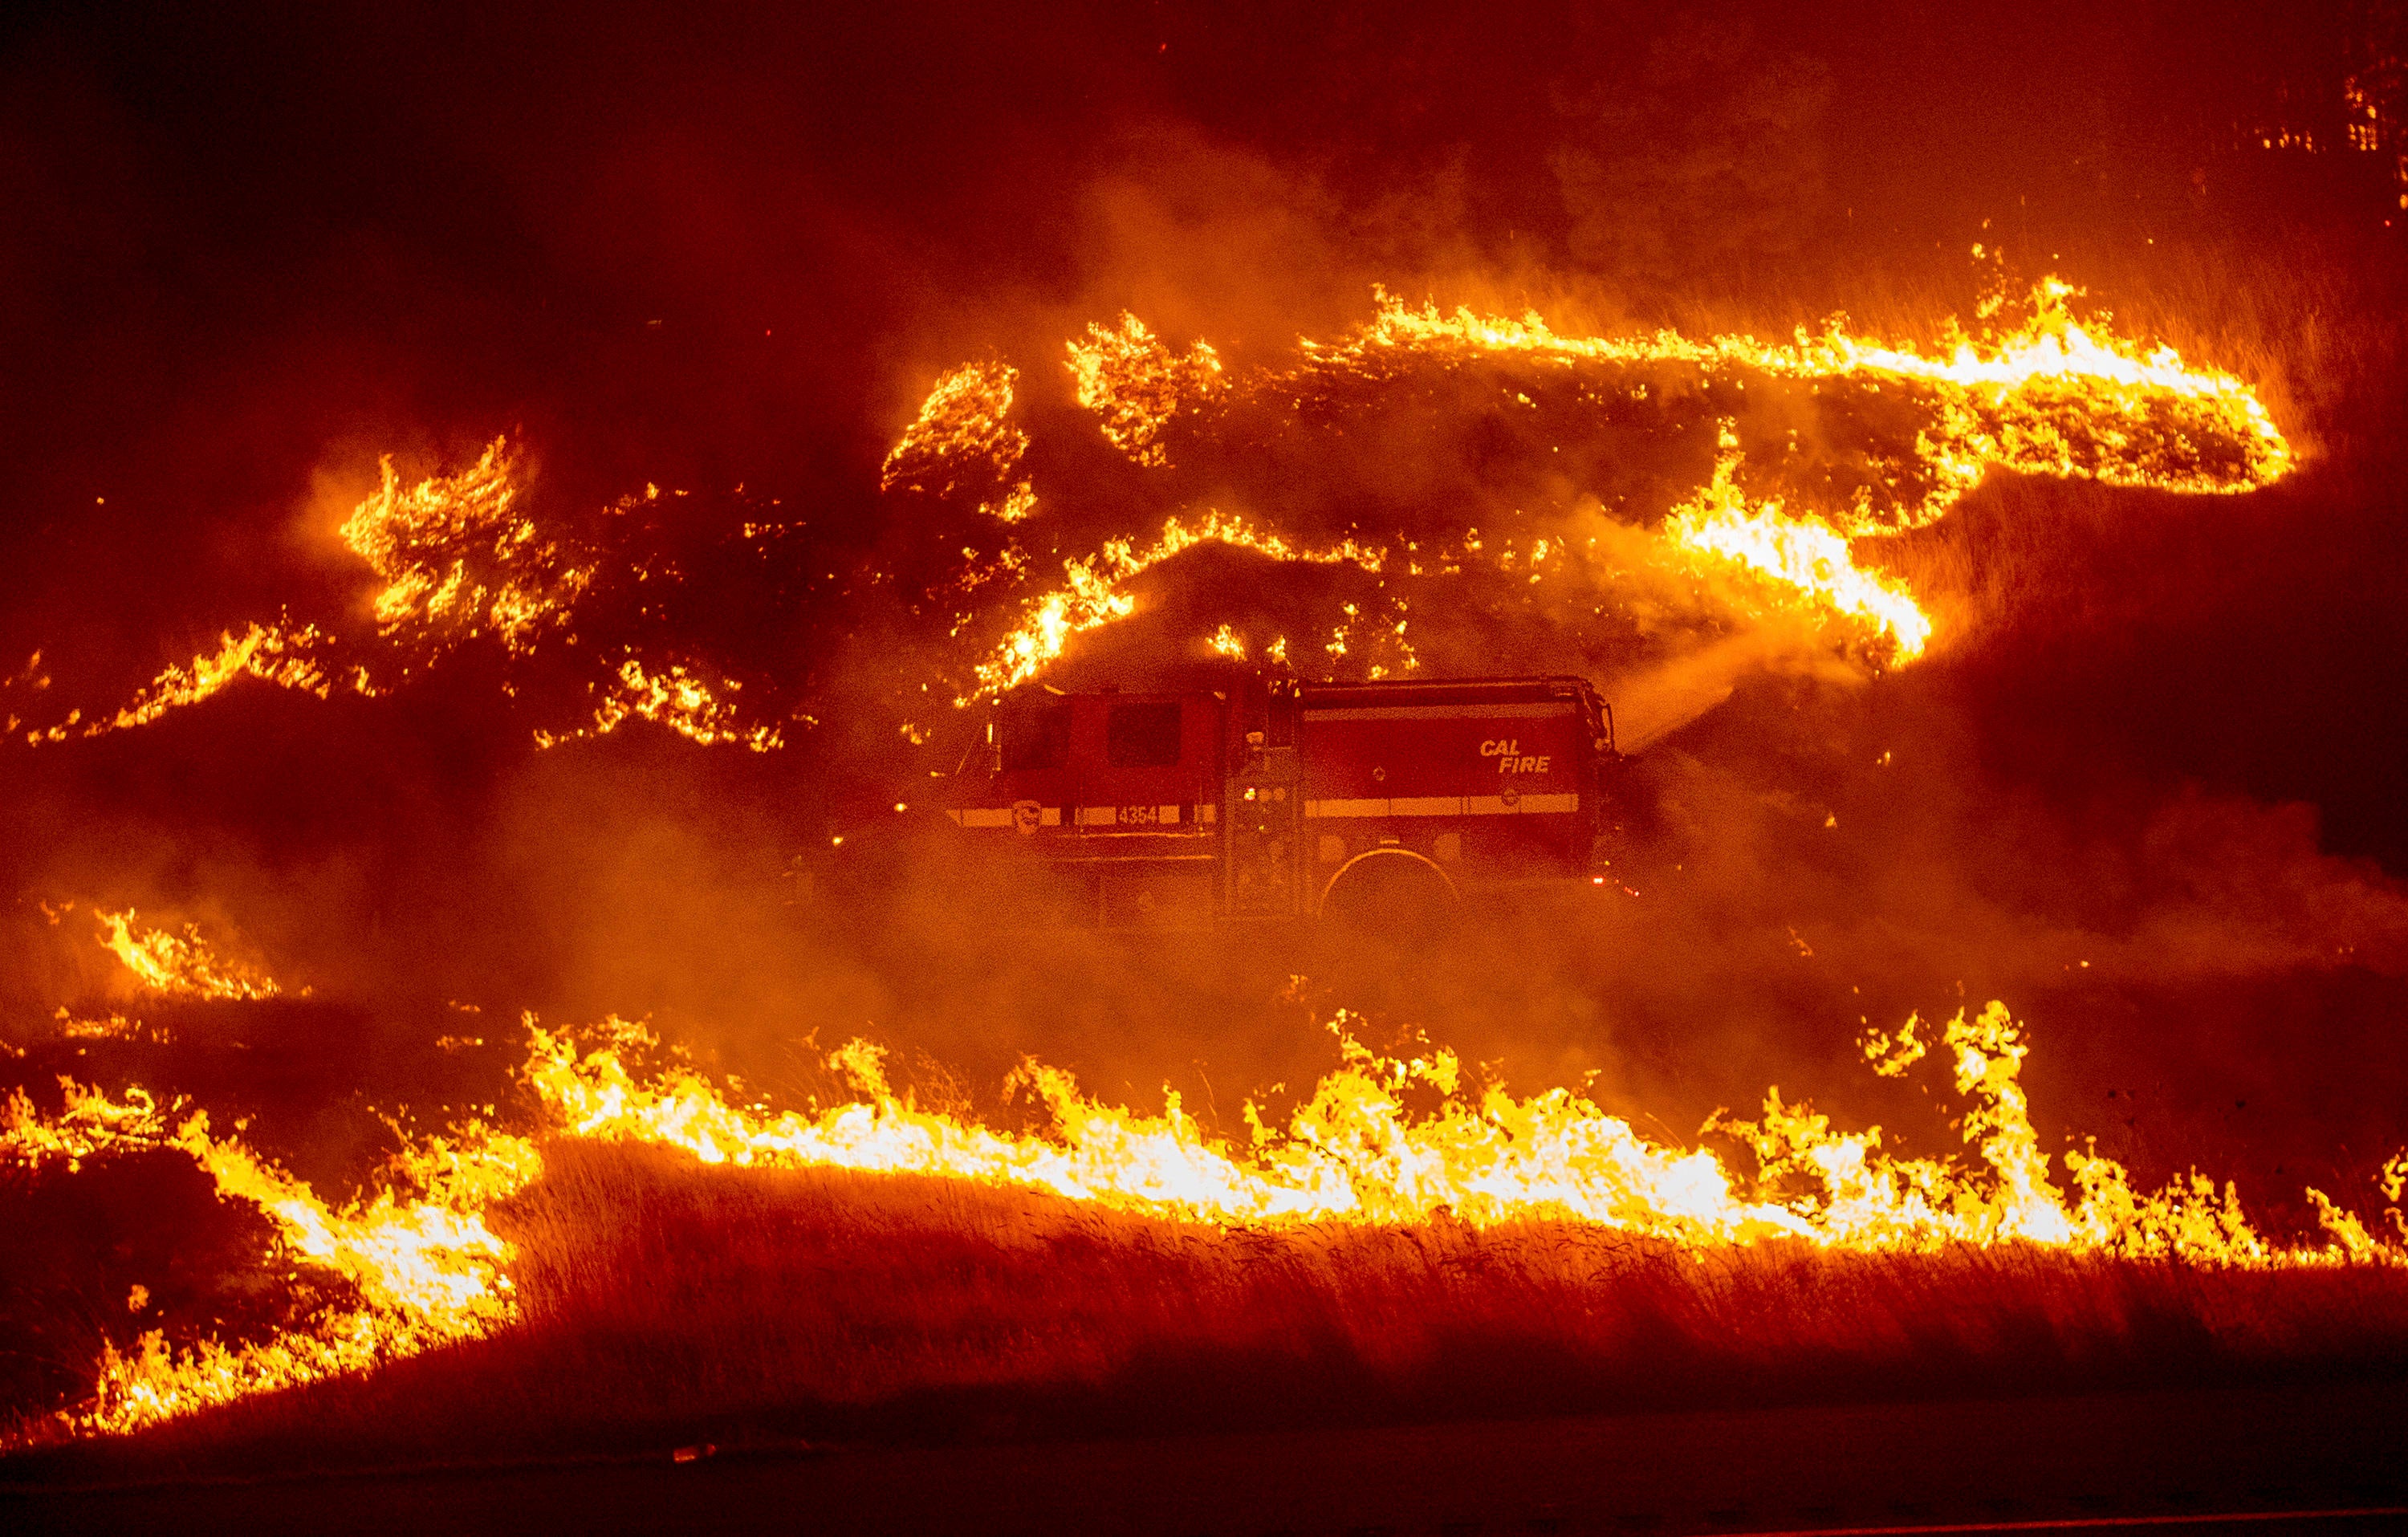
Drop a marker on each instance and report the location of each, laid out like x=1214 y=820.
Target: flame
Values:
x=677 y=700
x=2055 y=396
x=1091 y=593
x=1016 y=506
x=1354 y=1154
x=458 y=558
x=2049 y=393
x=90 y=1124
x=1805 y=558
x=962 y=423
x=280 y=655
x=115 y=1028
x=167 y=964
x=1137 y=384
x=1349 y=1155
x=457 y=555
x=427 y=1270
x=426 y=1273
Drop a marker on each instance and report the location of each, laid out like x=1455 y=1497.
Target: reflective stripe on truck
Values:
x=1446 y=806
x=1091 y=817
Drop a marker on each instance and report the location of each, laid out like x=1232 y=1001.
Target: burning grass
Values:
x=624 y=1245
x=872 y=1300
x=663 y=1300
x=1431 y=1244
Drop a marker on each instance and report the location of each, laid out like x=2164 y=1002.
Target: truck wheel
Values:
x=1394 y=894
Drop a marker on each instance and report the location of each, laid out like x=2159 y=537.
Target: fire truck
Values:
x=1384 y=803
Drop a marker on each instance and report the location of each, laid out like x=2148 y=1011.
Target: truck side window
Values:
x=1141 y=736
x=1037 y=738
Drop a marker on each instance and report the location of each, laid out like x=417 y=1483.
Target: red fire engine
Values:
x=1287 y=800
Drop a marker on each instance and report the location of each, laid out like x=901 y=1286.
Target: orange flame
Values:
x=1805 y=559
x=1093 y=594
x=1137 y=384
x=962 y=424
x=428 y=1270
x=167 y=964
x=677 y=700
x=91 y=1124
x=1354 y=1154
x=2056 y=395
x=425 y=1272
x=278 y=654
x=458 y=558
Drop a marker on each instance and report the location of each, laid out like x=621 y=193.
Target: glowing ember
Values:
x=167 y=964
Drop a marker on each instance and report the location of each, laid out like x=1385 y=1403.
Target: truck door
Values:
x=1036 y=784
x=1147 y=821
x=1147 y=765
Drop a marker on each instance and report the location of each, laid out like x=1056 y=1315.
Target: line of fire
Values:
x=1204 y=769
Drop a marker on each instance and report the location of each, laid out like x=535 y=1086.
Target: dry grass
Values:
x=667 y=1302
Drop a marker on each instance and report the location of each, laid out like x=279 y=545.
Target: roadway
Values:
x=2322 y=1459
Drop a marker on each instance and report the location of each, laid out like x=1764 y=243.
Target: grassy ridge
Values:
x=666 y=1302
